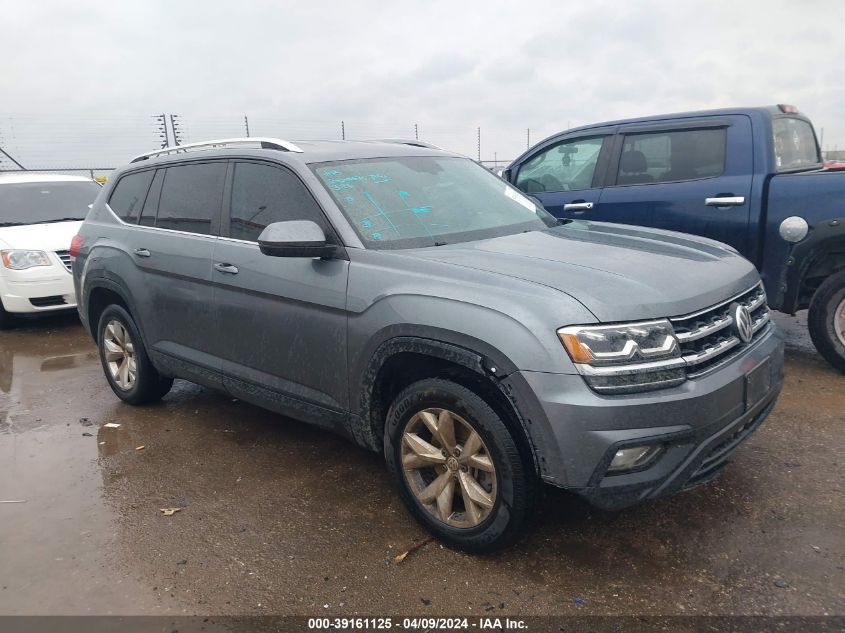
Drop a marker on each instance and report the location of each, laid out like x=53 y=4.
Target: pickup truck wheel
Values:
x=457 y=466
x=826 y=320
x=128 y=369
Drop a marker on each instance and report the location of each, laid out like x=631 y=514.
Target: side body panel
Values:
x=680 y=206
x=819 y=198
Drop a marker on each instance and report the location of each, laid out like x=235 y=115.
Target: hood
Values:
x=41 y=237
x=616 y=271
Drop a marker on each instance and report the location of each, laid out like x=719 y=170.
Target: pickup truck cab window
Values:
x=567 y=166
x=795 y=144
x=671 y=156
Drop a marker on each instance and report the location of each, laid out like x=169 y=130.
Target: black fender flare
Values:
x=369 y=433
x=804 y=254
x=106 y=280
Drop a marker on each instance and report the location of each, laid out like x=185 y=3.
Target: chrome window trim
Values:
x=156 y=228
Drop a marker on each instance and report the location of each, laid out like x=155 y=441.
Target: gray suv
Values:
x=407 y=298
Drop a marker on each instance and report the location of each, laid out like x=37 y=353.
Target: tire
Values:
x=506 y=495
x=6 y=320
x=146 y=385
x=826 y=320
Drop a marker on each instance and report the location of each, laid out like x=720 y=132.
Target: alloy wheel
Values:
x=120 y=355
x=839 y=321
x=448 y=468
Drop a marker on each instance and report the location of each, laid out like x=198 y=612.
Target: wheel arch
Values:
x=811 y=262
x=101 y=291
x=403 y=360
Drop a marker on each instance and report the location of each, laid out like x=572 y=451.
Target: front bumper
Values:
x=576 y=432
x=37 y=290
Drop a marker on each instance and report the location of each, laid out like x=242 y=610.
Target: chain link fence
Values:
x=93 y=146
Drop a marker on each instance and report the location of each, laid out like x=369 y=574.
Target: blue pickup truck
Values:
x=752 y=178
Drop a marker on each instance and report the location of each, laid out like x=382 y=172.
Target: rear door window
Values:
x=263 y=194
x=567 y=166
x=129 y=195
x=672 y=156
x=191 y=197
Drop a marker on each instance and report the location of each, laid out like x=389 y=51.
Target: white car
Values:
x=39 y=216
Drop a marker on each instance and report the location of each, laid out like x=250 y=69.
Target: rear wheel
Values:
x=826 y=320
x=128 y=369
x=457 y=466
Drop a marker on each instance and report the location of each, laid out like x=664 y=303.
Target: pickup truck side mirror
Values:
x=295 y=238
x=505 y=175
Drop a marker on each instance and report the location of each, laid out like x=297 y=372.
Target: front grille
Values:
x=708 y=338
x=46 y=302
x=65 y=257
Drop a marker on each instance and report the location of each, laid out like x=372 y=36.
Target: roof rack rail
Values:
x=414 y=142
x=262 y=142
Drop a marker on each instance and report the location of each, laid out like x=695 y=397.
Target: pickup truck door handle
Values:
x=725 y=201
x=578 y=206
x=226 y=268
x=142 y=252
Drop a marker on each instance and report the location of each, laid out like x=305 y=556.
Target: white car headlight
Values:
x=626 y=358
x=21 y=260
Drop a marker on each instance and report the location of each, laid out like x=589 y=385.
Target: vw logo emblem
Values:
x=742 y=323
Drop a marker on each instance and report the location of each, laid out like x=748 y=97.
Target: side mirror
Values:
x=295 y=238
x=505 y=175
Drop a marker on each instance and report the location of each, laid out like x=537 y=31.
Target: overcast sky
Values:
x=90 y=74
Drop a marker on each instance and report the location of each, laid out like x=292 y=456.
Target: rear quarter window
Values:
x=129 y=194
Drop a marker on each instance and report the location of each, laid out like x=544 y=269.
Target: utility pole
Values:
x=528 y=138
x=246 y=125
x=343 y=130
x=479 y=145
x=416 y=132
x=161 y=119
x=177 y=134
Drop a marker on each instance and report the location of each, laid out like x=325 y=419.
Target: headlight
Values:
x=626 y=358
x=21 y=260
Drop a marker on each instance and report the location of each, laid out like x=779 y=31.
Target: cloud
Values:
x=91 y=73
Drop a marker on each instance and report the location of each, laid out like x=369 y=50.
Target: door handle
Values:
x=725 y=201
x=226 y=268
x=142 y=252
x=578 y=206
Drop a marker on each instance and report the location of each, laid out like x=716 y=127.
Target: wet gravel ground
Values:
x=279 y=518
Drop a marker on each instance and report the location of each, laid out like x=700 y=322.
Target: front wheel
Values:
x=6 y=319
x=128 y=369
x=457 y=466
x=826 y=320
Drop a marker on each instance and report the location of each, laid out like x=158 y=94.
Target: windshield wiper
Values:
x=59 y=220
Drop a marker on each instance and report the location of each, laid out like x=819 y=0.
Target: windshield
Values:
x=795 y=144
x=415 y=201
x=37 y=202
